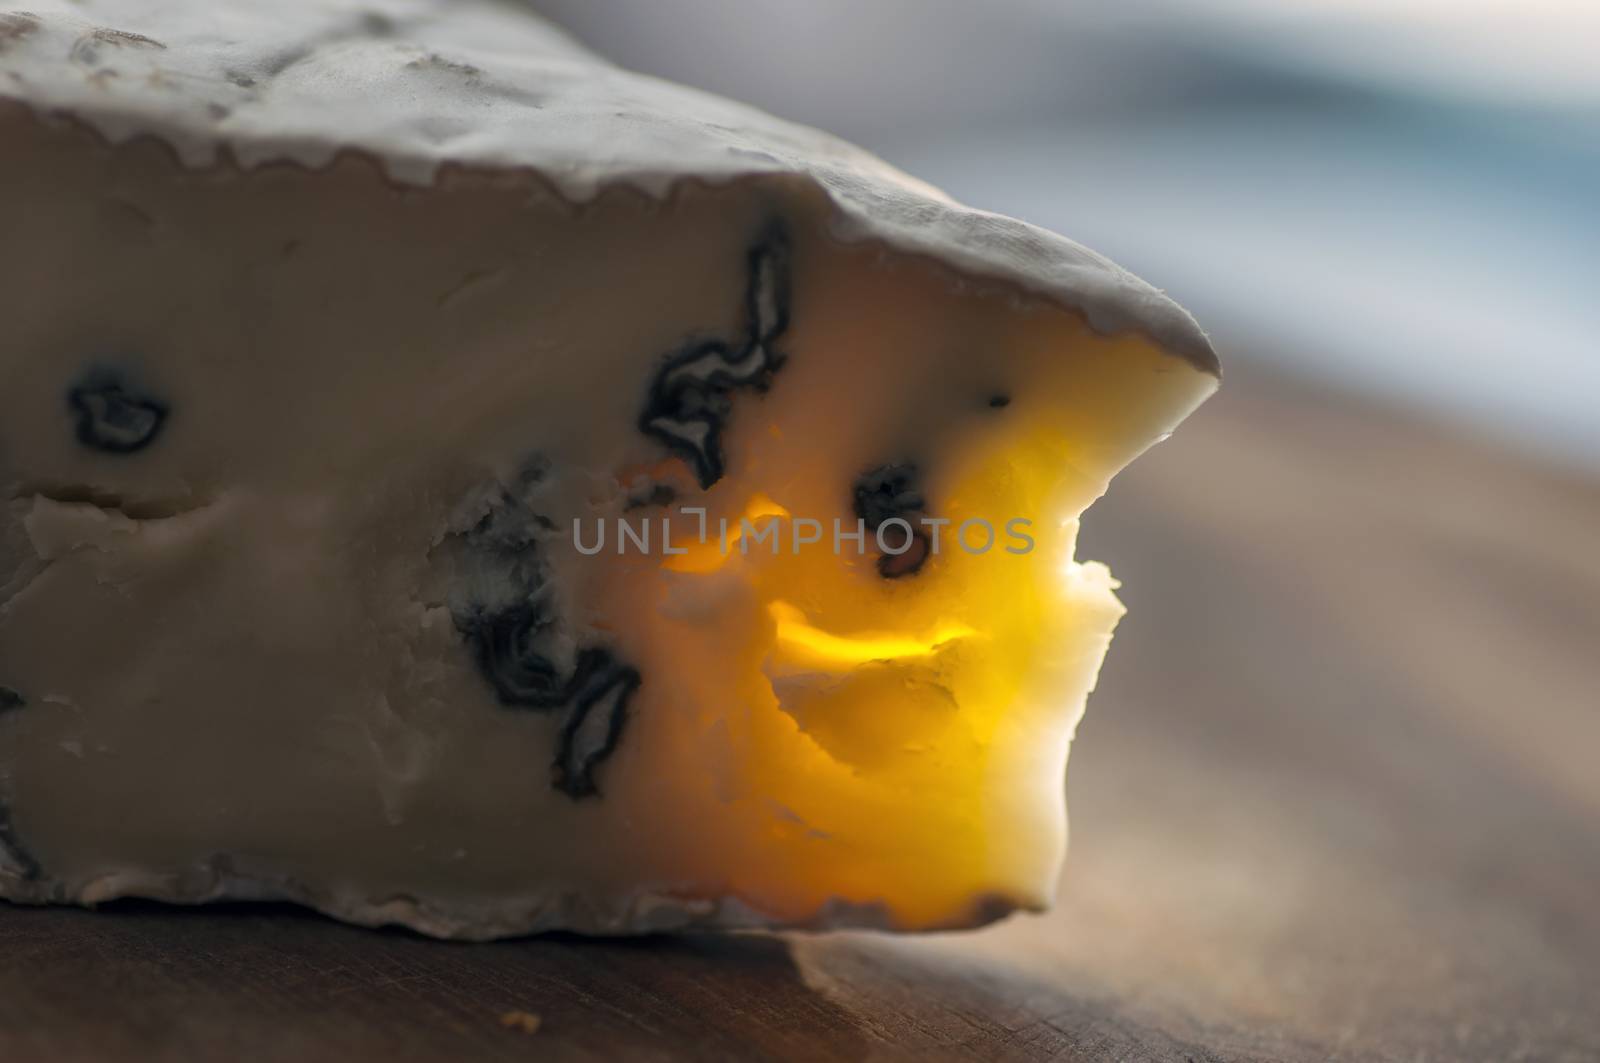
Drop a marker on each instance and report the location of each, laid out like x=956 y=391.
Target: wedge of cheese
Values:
x=451 y=481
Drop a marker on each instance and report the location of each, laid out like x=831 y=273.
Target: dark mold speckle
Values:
x=886 y=492
x=594 y=727
x=506 y=647
x=508 y=617
x=113 y=418
x=999 y=402
x=10 y=699
x=691 y=397
x=883 y=494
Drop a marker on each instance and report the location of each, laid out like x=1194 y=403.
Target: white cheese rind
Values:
x=423 y=84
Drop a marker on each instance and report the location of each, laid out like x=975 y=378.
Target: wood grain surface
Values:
x=1336 y=798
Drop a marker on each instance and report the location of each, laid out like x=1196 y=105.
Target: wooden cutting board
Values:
x=1338 y=797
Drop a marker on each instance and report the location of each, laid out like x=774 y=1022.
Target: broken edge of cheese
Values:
x=334 y=330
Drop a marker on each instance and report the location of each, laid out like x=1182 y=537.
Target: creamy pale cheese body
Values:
x=451 y=481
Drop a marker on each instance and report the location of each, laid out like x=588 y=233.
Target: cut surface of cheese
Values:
x=451 y=481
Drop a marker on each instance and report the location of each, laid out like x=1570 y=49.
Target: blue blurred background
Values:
x=1395 y=197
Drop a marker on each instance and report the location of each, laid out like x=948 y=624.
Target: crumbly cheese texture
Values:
x=376 y=383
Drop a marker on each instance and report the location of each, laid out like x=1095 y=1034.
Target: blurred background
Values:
x=1395 y=196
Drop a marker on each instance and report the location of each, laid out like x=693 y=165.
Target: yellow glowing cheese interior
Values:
x=904 y=738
